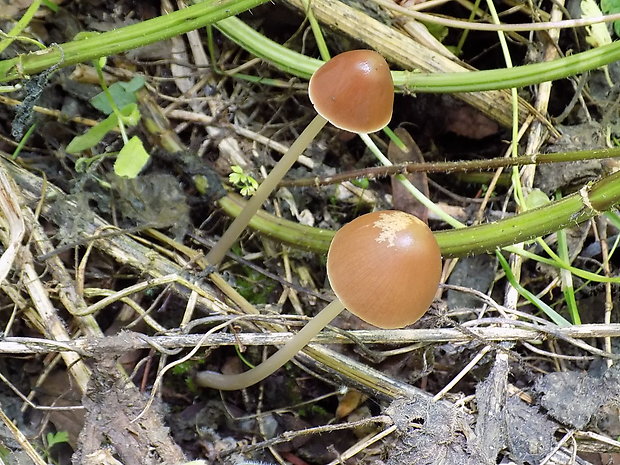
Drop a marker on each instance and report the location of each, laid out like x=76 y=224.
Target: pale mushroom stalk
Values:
x=243 y=380
x=232 y=233
x=383 y=267
x=354 y=91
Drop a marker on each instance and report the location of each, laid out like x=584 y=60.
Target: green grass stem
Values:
x=316 y=31
x=23 y=22
x=519 y=76
x=551 y=313
x=484 y=238
x=124 y=38
x=566 y=277
x=414 y=191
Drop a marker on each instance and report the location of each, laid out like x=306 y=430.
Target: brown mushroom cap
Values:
x=354 y=91
x=385 y=267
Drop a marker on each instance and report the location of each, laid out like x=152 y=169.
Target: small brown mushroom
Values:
x=384 y=267
x=354 y=91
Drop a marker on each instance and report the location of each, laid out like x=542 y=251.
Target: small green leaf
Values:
x=439 y=31
x=131 y=114
x=597 y=34
x=93 y=136
x=56 y=438
x=51 y=5
x=237 y=176
x=536 y=198
x=184 y=368
x=247 y=184
x=101 y=62
x=131 y=159
x=123 y=93
x=611 y=7
x=83 y=163
x=136 y=83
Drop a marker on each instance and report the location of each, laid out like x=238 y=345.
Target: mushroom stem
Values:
x=217 y=253
x=248 y=378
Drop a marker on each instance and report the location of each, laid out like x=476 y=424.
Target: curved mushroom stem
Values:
x=216 y=254
x=283 y=355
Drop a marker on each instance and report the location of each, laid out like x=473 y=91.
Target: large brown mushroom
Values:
x=384 y=267
x=354 y=91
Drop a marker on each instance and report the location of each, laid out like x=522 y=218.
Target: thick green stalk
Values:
x=576 y=208
x=287 y=60
x=519 y=76
x=125 y=38
x=299 y=235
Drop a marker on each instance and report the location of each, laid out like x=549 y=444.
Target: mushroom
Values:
x=355 y=92
x=383 y=267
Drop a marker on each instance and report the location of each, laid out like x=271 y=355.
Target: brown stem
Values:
x=455 y=166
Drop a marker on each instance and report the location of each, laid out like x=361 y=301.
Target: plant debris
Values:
x=574 y=397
